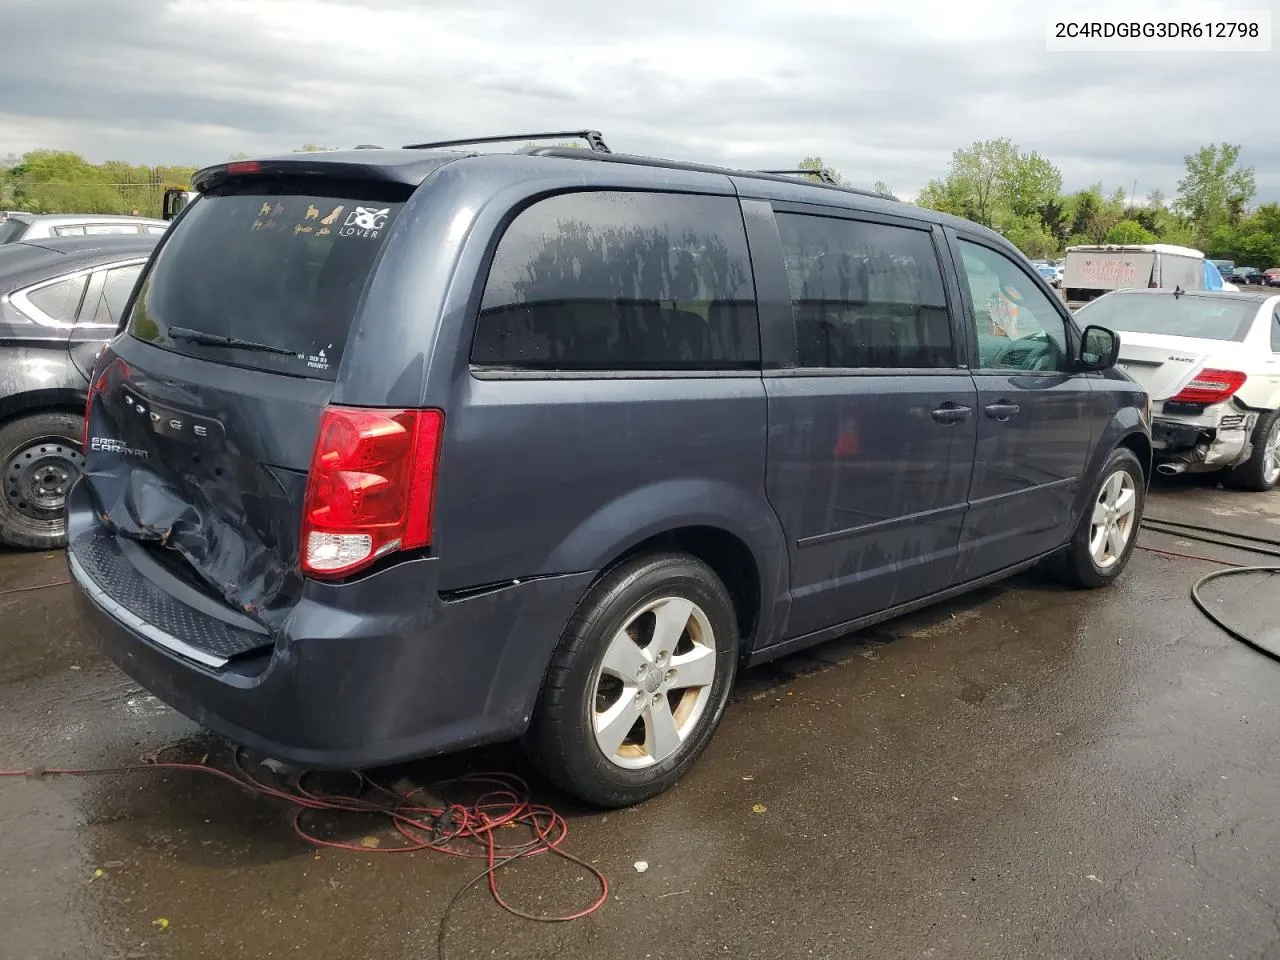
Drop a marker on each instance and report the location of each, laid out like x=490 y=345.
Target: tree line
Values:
x=1020 y=194
x=992 y=182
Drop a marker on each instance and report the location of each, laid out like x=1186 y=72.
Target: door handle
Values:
x=1002 y=411
x=952 y=413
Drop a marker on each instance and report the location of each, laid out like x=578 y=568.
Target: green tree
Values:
x=313 y=148
x=882 y=187
x=1031 y=236
x=1216 y=189
x=1027 y=183
x=979 y=172
x=945 y=196
x=1129 y=231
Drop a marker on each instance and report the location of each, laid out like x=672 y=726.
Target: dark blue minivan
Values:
x=401 y=451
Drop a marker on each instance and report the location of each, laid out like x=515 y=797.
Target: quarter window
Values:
x=59 y=301
x=1017 y=327
x=865 y=294
x=115 y=294
x=621 y=281
x=1275 y=331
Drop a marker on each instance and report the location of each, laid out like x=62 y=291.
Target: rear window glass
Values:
x=265 y=263
x=1213 y=317
x=621 y=281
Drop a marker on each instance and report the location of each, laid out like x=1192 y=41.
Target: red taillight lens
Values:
x=95 y=388
x=240 y=167
x=372 y=483
x=1211 y=386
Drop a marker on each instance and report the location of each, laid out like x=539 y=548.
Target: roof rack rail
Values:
x=823 y=174
x=595 y=140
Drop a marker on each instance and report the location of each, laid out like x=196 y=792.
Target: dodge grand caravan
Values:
x=401 y=451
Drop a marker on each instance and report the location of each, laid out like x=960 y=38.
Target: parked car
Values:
x=403 y=451
x=34 y=226
x=1051 y=273
x=1271 y=277
x=59 y=301
x=1225 y=267
x=1211 y=364
x=1246 y=275
x=1213 y=279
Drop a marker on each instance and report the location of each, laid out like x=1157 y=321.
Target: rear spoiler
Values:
x=347 y=165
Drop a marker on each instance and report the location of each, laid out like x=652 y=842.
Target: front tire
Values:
x=1261 y=471
x=1103 y=541
x=638 y=683
x=40 y=458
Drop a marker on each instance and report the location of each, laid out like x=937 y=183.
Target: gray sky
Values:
x=880 y=90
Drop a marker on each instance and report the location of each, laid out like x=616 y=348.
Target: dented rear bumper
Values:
x=364 y=673
x=1212 y=441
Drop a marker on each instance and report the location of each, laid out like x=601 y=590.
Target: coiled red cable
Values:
x=467 y=830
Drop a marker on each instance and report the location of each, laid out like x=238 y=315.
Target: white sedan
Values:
x=1210 y=361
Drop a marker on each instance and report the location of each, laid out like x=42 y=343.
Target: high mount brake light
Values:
x=1211 y=386
x=237 y=168
x=371 y=487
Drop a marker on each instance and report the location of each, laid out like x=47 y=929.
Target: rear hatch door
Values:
x=203 y=414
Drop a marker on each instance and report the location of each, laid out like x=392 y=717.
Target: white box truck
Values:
x=1092 y=271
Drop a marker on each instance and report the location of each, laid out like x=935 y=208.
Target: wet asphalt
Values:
x=1025 y=772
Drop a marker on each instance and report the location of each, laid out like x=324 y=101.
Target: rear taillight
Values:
x=95 y=388
x=371 y=487
x=1210 y=387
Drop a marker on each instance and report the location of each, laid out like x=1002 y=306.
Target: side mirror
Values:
x=1099 y=349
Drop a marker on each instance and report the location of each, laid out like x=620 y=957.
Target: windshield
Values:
x=11 y=230
x=275 y=267
x=1212 y=318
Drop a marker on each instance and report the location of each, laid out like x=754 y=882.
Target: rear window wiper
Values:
x=216 y=340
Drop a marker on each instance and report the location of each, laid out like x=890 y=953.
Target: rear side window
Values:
x=75 y=231
x=59 y=301
x=865 y=294
x=115 y=294
x=621 y=281
x=278 y=263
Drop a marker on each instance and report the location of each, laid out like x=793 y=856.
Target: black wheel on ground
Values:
x=1103 y=541
x=638 y=682
x=1261 y=471
x=40 y=459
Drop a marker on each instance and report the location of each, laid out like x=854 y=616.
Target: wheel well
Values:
x=724 y=553
x=40 y=401
x=1141 y=448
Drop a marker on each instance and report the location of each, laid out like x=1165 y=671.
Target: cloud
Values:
x=884 y=95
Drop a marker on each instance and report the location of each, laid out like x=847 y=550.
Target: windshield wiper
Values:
x=215 y=340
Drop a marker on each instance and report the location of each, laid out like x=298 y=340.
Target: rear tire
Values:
x=40 y=458
x=1104 y=539
x=638 y=683
x=1261 y=471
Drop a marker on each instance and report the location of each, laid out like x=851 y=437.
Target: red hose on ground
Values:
x=454 y=829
